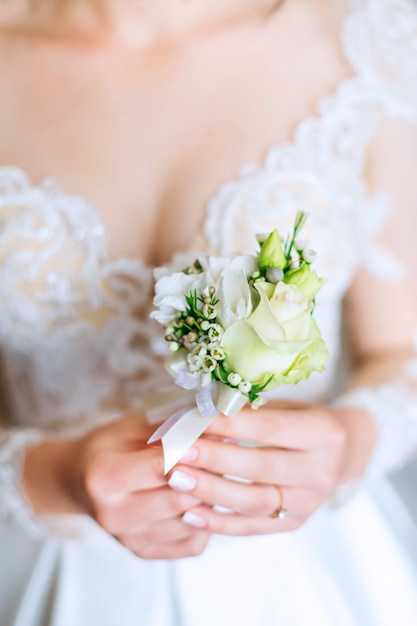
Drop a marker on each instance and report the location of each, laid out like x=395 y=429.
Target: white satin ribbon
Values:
x=182 y=428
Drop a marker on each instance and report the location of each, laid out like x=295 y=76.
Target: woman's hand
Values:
x=112 y=474
x=307 y=451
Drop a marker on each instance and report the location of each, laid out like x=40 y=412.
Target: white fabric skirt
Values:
x=354 y=566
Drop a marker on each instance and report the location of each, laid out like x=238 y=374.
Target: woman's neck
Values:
x=142 y=23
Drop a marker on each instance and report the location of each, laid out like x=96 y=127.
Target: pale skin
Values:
x=120 y=145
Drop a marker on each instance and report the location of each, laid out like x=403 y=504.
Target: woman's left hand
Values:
x=304 y=452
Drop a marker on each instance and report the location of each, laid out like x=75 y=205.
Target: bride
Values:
x=131 y=131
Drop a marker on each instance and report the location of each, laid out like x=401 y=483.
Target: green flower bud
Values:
x=272 y=253
x=307 y=281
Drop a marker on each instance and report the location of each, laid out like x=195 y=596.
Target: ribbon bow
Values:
x=186 y=425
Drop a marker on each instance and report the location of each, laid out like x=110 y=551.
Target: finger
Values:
x=236 y=525
x=112 y=475
x=129 y=429
x=245 y=498
x=283 y=467
x=192 y=544
x=146 y=534
x=151 y=506
x=283 y=428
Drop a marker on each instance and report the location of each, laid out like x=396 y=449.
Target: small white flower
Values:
x=194 y=358
x=215 y=332
x=205 y=325
x=200 y=351
x=174 y=346
x=195 y=368
x=209 y=364
x=309 y=255
x=245 y=386
x=217 y=354
x=301 y=244
x=234 y=379
x=209 y=311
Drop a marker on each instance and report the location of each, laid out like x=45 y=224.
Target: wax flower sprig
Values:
x=244 y=321
x=197 y=331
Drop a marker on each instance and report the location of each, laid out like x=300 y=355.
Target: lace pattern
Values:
x=380 y=39
x=13 y=502
x=63 y=296
x=393 y=407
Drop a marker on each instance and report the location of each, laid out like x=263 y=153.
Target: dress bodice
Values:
x=75 y=338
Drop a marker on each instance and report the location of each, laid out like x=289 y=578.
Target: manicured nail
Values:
x=182 y=481
x=190 y=455
x=194 y=519
x=229 y=440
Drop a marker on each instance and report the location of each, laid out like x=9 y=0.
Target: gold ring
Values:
x=281 y=512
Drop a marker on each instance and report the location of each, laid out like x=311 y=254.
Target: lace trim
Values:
x=321 y=172
x=13 y=502
x=380 y=41
x=56 y=241
x=393 y=407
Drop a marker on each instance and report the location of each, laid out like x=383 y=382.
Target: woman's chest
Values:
x=148 y=140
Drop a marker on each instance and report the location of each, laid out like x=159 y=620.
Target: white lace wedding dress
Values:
x=72 y=321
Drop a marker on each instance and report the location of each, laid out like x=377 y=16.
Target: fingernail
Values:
x=190 y=455
x=229 y=440
x=182 y=481
x=194 y=519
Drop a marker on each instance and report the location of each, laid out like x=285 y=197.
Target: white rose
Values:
x=227 y=276
x=169 y=297
x=279 y=342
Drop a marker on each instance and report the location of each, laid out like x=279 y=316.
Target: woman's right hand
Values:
x=111 y=474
